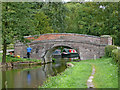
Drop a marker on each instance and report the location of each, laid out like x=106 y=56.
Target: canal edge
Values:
x=90 y=80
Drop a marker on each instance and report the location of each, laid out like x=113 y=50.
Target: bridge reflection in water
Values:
x=31 y=77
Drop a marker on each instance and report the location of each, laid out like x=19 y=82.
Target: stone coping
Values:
x=106 y=36
x=63 y=34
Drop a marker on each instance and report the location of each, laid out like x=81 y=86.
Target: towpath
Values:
x=90 y=80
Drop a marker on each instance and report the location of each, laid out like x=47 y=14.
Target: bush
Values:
x=116 y=55
x=108 y=50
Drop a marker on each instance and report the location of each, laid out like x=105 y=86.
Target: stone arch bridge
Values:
x=87 y=46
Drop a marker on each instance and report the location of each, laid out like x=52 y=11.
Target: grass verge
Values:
x=15 y=59
x=106 y=75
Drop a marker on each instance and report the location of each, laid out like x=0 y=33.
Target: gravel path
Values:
x=89 y=81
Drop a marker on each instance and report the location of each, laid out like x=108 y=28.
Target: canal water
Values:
x=32 y=76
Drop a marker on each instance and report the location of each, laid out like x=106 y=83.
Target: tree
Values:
x=16 y=23
x=56 y=11
x=96 y=18
x=41 y=23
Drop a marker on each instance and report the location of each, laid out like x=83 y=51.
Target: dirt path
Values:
x=89 y=81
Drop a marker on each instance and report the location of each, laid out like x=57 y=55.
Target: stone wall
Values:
x=87 y=46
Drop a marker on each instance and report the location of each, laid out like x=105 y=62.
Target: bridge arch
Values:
x=48 y=54
x=87 y=46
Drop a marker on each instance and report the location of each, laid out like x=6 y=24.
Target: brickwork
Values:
x=87 y=46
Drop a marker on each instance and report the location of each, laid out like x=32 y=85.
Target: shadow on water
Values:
x=31 y=77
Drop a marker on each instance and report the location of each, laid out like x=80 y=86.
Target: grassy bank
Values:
x=15 y=59
x=74 y=77
x=106 y=75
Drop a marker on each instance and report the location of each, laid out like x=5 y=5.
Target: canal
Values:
x=31 y=76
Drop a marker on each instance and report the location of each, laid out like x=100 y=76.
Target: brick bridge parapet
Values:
x=87 y=46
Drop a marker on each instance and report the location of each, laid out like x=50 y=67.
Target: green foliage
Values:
x=41 y=23
x=117 y=39
x=88 y=18
x=108 y=50
x=16 y=21
x=56 y=11
x=83 y=18
x=116 y=55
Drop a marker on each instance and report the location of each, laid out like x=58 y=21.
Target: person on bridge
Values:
x=28 y=51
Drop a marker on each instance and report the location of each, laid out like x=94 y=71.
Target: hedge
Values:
x=108 y=50
x=116 y=55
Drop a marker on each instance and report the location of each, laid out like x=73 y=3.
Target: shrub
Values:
x=108 y=50
x=116 y=55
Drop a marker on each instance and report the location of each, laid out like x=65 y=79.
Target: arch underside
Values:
x=48 y=54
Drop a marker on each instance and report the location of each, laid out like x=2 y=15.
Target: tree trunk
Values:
x=4 y=40
x=4 y=52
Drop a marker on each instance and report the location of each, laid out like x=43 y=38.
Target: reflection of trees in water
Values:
x=44 y=70
x=55 y=71
x=59 y=65
x=48 y=69
x=54 y=68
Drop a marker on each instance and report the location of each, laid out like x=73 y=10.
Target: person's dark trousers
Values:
x=28 y=54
